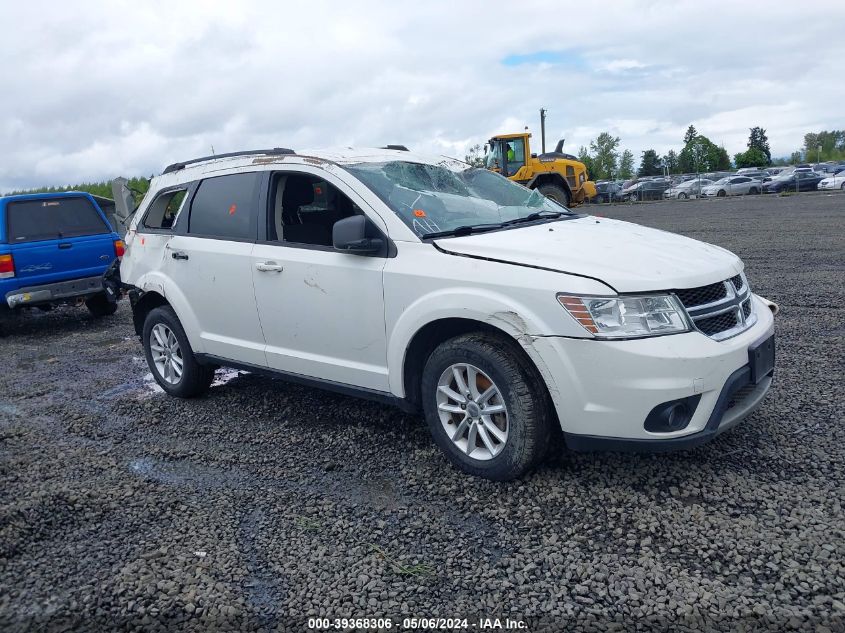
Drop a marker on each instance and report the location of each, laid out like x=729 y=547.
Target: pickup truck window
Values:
x=52 y=218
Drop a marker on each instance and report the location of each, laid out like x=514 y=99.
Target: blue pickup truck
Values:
x=54 y=248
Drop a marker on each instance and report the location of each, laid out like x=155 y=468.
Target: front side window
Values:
x=52 y=219
x=305 y=208
x=226 y=207
x=434 y=198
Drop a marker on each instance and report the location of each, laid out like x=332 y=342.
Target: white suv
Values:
x=446 y=289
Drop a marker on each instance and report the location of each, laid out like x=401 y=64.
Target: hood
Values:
x=628 y=257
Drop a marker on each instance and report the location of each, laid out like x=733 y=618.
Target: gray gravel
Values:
x=265 y=503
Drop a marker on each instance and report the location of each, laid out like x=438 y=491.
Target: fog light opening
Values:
x=671 y=416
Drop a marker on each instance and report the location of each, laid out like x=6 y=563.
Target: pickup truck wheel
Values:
x=100 y=306
x=170 y=357
x=556 y=193
x=486 y=410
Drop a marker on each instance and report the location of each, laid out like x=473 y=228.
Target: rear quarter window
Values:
x=52 y=218
x=226 y=207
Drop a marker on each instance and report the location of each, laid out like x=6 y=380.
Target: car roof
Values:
x=242 y=161
x=45 y=196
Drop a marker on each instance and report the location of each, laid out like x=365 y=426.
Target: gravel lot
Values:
x=265 y=503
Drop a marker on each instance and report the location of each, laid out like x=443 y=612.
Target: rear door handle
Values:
x=66 y=245
x=179 y=255
x=269 y=267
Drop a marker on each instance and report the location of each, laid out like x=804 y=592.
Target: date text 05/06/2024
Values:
x=417 y=624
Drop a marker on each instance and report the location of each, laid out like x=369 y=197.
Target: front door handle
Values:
x=179 y=255
x=65 y=245
x=269 y=267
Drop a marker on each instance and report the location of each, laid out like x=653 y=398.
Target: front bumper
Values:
x=55 y=292
x=603 y=391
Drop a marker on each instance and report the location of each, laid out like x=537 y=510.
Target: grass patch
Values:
x=417 y=569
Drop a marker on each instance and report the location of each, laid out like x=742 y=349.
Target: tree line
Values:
x=138 y=186
x=699 y=154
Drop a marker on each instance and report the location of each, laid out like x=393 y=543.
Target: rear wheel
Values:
x=556 y=193
x=843 y=186
x=753 y=191
x=170 y=357
x=100 y=306
x=485 y=407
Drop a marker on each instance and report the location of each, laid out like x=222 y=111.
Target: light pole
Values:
x=818 y=155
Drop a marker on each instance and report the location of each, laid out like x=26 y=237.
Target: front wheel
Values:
x=556 y=193
x=682 y=196
x=722 y=193
x=753 y=191
x=170 y=357
x=485 y=406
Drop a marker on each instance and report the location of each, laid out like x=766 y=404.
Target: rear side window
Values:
x=163 y=210
x=226 y=207
x=53 y=218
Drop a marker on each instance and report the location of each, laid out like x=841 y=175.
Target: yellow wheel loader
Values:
x=561 y=177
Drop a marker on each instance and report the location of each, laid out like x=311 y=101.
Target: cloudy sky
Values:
x=91 y=90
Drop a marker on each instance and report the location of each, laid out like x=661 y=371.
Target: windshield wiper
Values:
x=465 y=230
x=537 y=215
x=481 y=228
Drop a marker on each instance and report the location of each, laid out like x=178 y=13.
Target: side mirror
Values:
x=355 y=236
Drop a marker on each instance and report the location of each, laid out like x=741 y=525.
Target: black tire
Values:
x=556 y=193
x=843 y=186
x=100 y=306
x=195 y=379
x=682 y=196
x=722 y=193
x=528 y=405
x=753 y=191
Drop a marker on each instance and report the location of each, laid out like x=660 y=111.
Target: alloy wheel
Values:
x=166 y=353
x=472 y=411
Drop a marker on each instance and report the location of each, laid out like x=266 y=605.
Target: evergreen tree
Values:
x=758 y=140
x=604 y=156
x=672 y=161
x=584 y=157
x=650 y=164
x=690 y=135
x=626 y=165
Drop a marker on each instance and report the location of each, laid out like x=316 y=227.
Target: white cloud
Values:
x=92 y=90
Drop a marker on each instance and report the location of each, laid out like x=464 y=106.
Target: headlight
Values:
x=627 y=317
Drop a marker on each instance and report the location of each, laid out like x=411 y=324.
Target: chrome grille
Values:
x=720 y=310
x=703 y=295
x=715 y=324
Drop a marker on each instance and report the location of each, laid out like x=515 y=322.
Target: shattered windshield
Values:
x=433 y=199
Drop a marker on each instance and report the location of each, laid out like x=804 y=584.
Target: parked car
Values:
x=796 y=181
x=449 y=290
x=54 y=248
x=687 y=189
x=834 y=181
x=606 y=192
x=733 y=186
x=645 y=190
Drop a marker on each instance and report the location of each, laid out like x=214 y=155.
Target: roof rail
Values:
x=400 y=148
x=183 y=164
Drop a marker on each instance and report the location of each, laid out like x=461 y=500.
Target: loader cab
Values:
x=507 y=154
